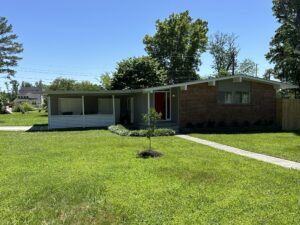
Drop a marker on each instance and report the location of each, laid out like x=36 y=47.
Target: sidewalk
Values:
x=261 y=157
x=23 y=128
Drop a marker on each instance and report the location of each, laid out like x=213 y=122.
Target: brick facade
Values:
x=198 y=105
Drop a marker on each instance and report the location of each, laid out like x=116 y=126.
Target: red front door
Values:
x=160 y=103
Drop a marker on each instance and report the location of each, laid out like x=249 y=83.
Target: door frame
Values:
x=166 y=106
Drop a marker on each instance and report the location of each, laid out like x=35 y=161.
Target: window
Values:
x=242 y=97
x=225 y=97
x=238 y=97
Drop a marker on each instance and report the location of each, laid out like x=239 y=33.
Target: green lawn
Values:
x=93 y=177
x=284 y=145
x=27 y=119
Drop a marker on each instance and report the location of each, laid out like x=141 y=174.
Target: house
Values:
x=238 y=99
x=34 y=95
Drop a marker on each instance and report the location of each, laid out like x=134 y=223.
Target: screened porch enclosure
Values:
x=82 y=111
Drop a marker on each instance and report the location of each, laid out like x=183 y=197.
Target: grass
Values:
x=284 y=145
x=94 y=177
x=27 y=119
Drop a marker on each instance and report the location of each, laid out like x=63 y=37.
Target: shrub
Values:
x=222 y=124
x=235 y=123
x=211 y=124
x=257 y=123
x=123 y=131
x=23 y=107
x=189 y=125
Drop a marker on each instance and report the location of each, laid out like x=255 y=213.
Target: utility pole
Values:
x=256 y=69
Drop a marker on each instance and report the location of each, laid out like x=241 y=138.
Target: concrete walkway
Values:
x=260 y=157
x=24 y=128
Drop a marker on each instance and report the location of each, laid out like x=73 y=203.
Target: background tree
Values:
x=106 y=80
x=224 y=50
x=177 y=46
x=9 y=49
x=268 y=74
x=26 y=84
x=140 y=72
x=14 y=89
x=284 y=43
x=71 y=85
x=247 y=67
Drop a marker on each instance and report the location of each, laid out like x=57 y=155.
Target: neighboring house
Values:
x=34 y=95
x=232 y=99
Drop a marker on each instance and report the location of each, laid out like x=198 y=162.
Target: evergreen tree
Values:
x=284 y=44
x=9 y=49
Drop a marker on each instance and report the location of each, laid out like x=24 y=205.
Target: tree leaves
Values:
x=177 y=46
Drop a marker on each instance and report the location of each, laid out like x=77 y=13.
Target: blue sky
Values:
x=80 y=39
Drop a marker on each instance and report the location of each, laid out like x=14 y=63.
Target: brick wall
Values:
x=199 y=105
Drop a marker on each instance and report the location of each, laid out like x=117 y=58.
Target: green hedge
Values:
x=123 y=131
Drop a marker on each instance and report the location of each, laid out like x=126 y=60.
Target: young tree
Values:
x=150 y=119
x=247 y=67
x=224 y=50
x=9 y=49
x=284 y=44
x=137 y=72
x=177 y=46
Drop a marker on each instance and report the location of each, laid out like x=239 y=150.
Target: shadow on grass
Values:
x=43 y=115
x=44 y=128
x=237 y=130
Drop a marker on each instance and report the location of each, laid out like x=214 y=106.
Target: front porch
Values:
x=86 y=110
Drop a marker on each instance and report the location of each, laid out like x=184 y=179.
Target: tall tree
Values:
x=177 y=46
x=224 y=50
x=284 y=44
x=140 y=72
x=9 y=49
x=248 y=67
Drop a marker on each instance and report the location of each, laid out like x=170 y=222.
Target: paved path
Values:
x=261 y=157
x=23 y=128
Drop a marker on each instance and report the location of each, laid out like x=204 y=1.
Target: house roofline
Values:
x=278 y=85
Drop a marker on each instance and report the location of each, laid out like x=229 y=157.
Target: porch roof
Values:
x=238 y=78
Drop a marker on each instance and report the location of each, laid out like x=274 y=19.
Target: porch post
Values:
x=114 y=109
x=148 y=108
x=83 y=111
x=49 y=112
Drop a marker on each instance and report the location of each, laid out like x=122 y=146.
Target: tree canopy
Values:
x=284 y=43
x=177 y=46
x=9 y=49
x=137 y=72
x=247 y=67
x=224 y=50
x=71 y=85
